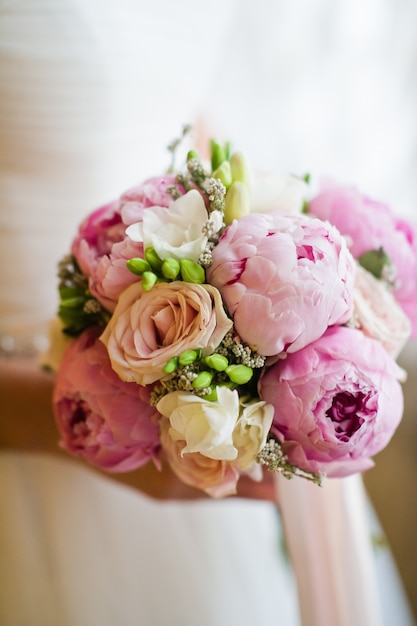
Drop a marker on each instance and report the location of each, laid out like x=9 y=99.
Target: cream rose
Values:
x=206 y=427
x=150 y=327
x=251 y=431
x=378 y=314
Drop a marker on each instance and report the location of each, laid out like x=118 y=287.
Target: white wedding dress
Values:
x=92 y=91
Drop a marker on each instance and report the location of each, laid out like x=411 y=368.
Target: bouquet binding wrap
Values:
x=225 y=321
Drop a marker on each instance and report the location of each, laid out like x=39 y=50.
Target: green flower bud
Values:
x=227 y=149
x=203 y=380
x=224 y=173
x=192 y=154
x=216 y=362
x=72 y=303
x=218 y=154
x=187 y=357
x=153 y=259
x=239 y=374
x=138 y=266
x=67 y=292
x=148 y=280
x=240 y=168
x=227 y=384
x=375 y=261
x=170 y=366
x=212 y=396
x=170 y=269
x=237 y=202
x=192 y=272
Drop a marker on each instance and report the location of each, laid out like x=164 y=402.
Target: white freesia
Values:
x=378 y=314
x=274 y=192
x=206 y=427
x=251 y=431
x=174 y=232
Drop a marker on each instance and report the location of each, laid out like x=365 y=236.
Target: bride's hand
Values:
x=164 y=485
x=27 y=424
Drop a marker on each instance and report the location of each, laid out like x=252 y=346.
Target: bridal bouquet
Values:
x=221 y=321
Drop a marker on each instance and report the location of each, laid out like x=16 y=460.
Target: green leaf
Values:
x=375 y=261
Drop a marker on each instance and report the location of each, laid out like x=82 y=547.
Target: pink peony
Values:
x=101 y=249
x=96 y=236
x=109 y=423
x=150 y=327
x=111 y=275
x=153 y=192
x=337 y=402
x=217 y=478
x=370 y=225
x=284 y=279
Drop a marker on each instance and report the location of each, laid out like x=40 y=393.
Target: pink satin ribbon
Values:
x=329 y=540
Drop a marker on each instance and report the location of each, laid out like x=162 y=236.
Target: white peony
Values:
x=275 y=192
x=206 y=427
x=174 y=232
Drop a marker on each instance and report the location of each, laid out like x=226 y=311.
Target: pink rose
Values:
x=153 y=192
x=107 y=422
x=377 y=313
x=217 y=478
x=370 y=225
x=284 y=279
x=150 y=327
x=337 y=402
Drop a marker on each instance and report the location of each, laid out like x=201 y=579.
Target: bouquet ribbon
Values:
x=329 y=541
